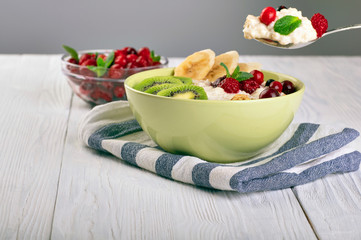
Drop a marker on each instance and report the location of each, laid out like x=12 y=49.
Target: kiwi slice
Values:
x=157 y=88
x=152 y=81
x=185 y=80
x=184 y=91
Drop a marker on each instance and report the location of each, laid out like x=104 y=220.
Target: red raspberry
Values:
x=249 y=86
x=144 y=51
x=229 y=85
x=119 y=91
x=121 y=60
x=319 y=23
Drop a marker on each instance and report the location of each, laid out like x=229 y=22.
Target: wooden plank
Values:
x=34 y=111
x=101 y=197
x=332 y=204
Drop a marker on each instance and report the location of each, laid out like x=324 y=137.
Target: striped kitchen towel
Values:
x=305 y=152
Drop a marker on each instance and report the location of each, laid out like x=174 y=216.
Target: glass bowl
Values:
x=99 y=88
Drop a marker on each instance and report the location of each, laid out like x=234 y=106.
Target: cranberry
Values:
x=72 y=60
x=85 y=57
x=70 y=67
x=257 y=76
x=269 y=93
x=102 y=56
x=268 y=15
x=119 y=91
x=100 y=94
x=269 y=82
x=276 y=85
x=86 y=87
x=132 y=65
x=131 y=58
x=121 y=60
x=129 y=50
x=141 y=61
x=288 y=87
x=144 y=51
x=89 y=62
x=116 y=71
x=107 y=85
x=84 y=70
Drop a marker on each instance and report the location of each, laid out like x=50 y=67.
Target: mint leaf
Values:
x=72 y=52
x=224 y=65
x=100 y=71
x=100 y=62
x=287 y=24
x=235 y=72
x=109 y=60
x=241 y=76
x=154 y=57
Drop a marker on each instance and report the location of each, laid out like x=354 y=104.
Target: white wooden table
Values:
x=51 y=186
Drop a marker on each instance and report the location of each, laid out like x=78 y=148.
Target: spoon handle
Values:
x=343 y=29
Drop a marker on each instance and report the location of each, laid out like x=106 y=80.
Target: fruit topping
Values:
x=152 y=81
x=230 y=85
x=157 y=88
x=257 y=76
x=287 y=24
x=230 y=59
x=240 y=97
x=197 y=65
x=288 y=87
x=269 y=82
x=276 y=85
x=319 y=23
x=281 y=7
x=268 y=15
x=269 y=93
x=184 y=92
x=249 y=86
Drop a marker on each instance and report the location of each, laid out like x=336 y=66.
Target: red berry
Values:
x=72 y=60
x=319 y=23
x=141 y=61
x=144 y=51
x=86 y=87
x=101 y=94
x=288 y=87
x=116 y=71
x=131 y=58
x=129 y=50
x=132 y=65
x=249 y=86
x=269 y=93
x=89 y=62
x=72 y=68
x=230 y=85
x=84 y=70
x=257 y=76
x=276 y=85
x=85 y=57
x=107 y=85
x=102 y=56
x=119 y=91
x=268 y=15
x=121 y=60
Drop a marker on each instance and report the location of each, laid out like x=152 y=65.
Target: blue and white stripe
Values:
x=304 y=153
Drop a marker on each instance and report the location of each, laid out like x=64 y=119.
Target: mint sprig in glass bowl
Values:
x=97 y=76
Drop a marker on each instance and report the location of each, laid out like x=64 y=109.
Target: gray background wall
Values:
x=171 y=28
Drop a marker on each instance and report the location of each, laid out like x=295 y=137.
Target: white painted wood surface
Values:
x=51 y=186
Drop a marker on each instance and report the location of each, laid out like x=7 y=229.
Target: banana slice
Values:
x=197 y=65
x=230 y=59
x=249 y=67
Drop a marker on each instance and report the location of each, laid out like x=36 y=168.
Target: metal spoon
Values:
x=301 y=45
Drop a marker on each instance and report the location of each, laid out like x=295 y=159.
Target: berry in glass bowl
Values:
x=97 y=76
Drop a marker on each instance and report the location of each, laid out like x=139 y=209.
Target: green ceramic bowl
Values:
x=216 y=131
